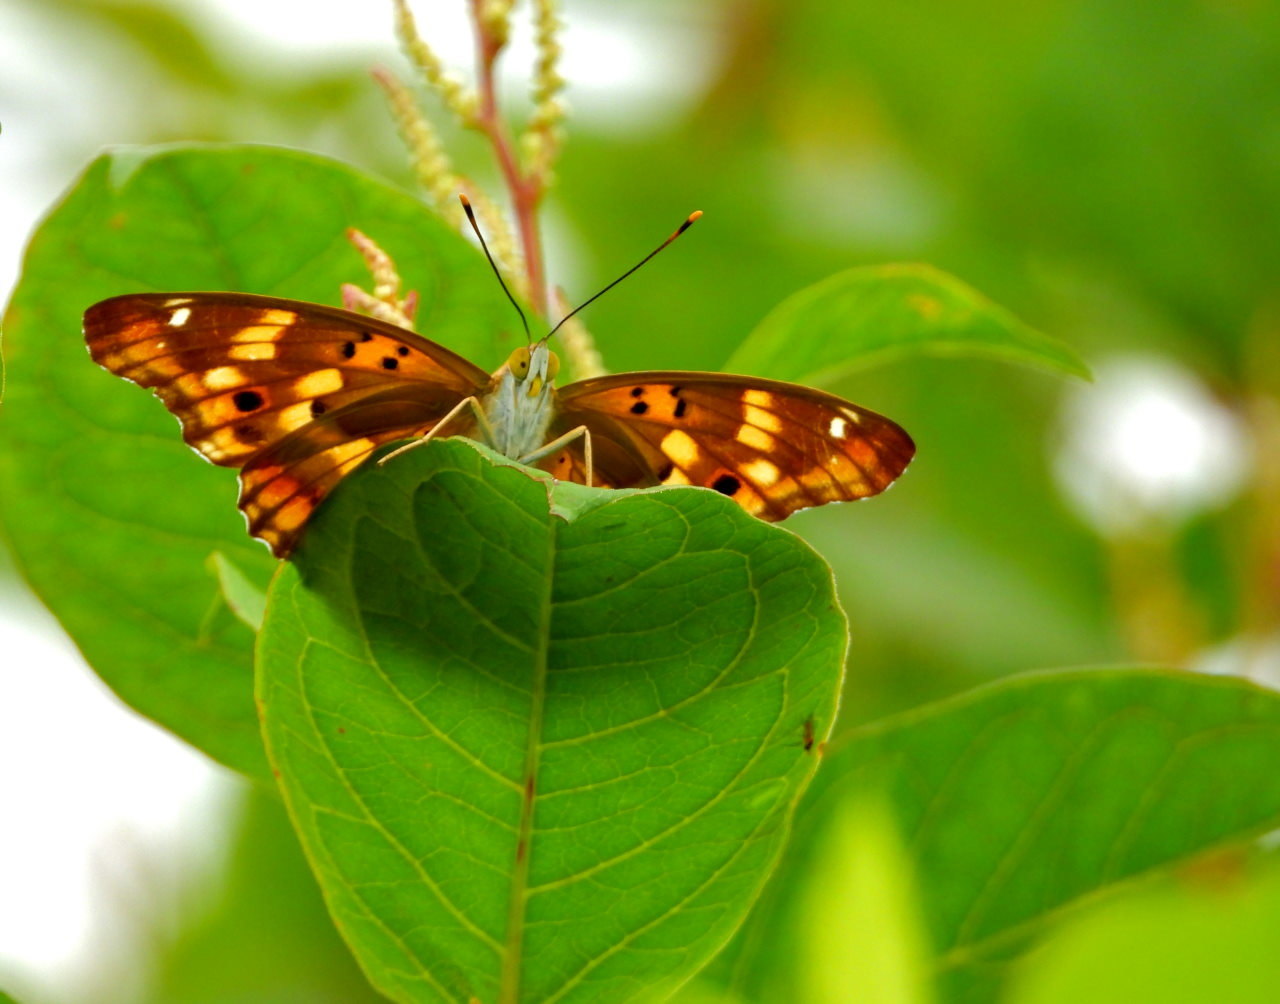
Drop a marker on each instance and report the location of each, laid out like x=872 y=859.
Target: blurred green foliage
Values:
x=1205 y=934
x=265 y=914
x=1110 y=172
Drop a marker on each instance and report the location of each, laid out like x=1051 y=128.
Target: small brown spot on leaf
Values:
x=926 y=306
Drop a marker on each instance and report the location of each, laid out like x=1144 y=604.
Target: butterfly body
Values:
x=520 y=407
x=297 y=395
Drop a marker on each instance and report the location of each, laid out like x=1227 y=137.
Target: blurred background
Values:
x=1109 y=172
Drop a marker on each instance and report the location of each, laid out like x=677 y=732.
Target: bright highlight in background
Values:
x=1146 y=442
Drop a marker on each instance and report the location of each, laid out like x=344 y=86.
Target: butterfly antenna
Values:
x=689 y=221
x=471 y=218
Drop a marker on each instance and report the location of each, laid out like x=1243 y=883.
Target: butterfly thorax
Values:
x=521 y=401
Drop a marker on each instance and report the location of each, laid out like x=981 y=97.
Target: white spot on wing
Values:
x=757 y=439
x=179 y=317
x=680 y=447
x=296 y=415
x=760 y=418
x=319 y=382
x=839 y=427
x=763 y=472
x=253 y=351
x=223 y=378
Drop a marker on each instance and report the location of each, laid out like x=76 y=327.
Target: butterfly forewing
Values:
x=774 y=448
x=297 y=394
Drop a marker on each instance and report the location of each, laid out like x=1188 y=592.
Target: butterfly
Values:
x=297 y=395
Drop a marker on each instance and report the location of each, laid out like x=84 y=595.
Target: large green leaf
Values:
x=111 y=518
x=1201 y=937
x=872 y=314
x=1025 y=798
x=542 y=752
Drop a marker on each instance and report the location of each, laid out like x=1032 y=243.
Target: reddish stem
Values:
x=526 y=190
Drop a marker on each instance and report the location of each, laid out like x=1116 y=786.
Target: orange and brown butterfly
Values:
x=297 y=395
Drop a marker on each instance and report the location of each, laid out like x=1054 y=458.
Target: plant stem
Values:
x=526 y=189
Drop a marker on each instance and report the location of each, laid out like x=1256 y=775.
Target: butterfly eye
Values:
x=553 y=366
x=518 y=362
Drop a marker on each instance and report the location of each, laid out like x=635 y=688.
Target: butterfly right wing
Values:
x=296 y=394
x=774 y=448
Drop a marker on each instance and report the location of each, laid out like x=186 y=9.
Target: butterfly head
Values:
x=535 y=367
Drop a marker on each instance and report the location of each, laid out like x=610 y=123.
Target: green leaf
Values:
x=863 y=938
x=1201 y=938
x=241 y=595
x=875 y=314
x=110 y=516
x=535 y=756
x=1020 y=800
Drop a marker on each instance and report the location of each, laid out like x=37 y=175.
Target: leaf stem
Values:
x=526 y=188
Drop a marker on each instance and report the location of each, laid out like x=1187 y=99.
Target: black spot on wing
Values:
x=248 y=400
x=726 y=484
x=639 y=408
x=390 y=363
x=348 y=350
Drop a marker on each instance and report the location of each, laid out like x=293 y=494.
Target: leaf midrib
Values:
x=509 y=986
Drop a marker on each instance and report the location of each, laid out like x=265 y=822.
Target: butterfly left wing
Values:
x=774 y=448
x=297 y=394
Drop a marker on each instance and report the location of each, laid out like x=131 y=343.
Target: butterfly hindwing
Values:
x=296 y=394
x=773 y=447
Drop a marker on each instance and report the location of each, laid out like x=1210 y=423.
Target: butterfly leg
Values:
x=482 y=420
x=560 y=442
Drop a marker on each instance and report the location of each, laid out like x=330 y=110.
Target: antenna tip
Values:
x=689 y=221
x=466 y=203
